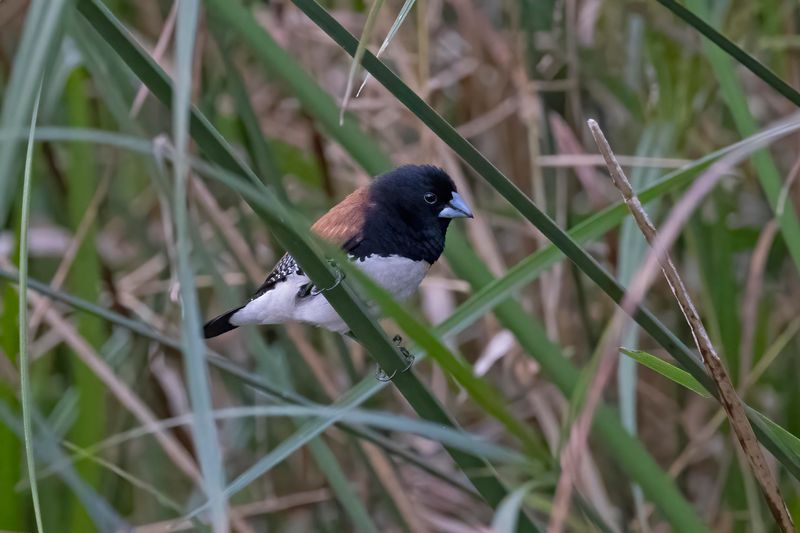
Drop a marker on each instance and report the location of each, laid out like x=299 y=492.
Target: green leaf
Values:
x=24 y=357
x=505 y=519
x=669 y=371
x=204 y=430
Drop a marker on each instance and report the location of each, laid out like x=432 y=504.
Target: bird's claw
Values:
x=339 y=277
x=381 y=375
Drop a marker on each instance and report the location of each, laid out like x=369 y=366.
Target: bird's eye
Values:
x=430 y=198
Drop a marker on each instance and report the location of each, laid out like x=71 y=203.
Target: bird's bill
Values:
x=456 y=208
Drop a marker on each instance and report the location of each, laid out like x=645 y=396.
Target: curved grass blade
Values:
x=24 y=360
x=382 y=420
x=401 y=17
x=204 y=431
x=505 y=519
x=668 y=370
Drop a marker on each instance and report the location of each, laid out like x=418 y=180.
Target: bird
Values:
x=393 y=228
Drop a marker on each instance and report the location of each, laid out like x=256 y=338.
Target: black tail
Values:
x=219 y=325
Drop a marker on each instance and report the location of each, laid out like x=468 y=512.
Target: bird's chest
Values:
x=398 y=275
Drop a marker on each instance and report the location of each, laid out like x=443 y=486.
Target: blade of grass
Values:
x=734 y=406
x=26 y=394
x=204 y=431
x=505 y=519
x=401 y=17
x=341 y=297
x=666 y=369
x=377 y=419
x=84 y=281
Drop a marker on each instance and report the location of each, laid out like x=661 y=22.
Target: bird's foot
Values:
x=381 y=375
x=339 y=277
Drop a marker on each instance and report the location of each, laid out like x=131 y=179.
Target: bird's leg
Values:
x=398 y=341
x=381 y=375
x=339 y=277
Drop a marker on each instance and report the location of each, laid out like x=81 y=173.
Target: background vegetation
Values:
x=143 y=215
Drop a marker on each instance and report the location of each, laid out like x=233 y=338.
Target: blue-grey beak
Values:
x=456 y=208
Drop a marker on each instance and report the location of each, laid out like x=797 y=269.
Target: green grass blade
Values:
x=668 y=370
x=204 y=430
x=84 y=280
x=24 y=361
x=401 y=17
x=505 y=519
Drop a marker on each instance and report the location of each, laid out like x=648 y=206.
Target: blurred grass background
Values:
x=517 y=79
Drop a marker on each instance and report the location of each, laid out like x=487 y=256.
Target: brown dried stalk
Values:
x=728 y=397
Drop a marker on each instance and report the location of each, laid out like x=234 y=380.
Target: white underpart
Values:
x=398 y=275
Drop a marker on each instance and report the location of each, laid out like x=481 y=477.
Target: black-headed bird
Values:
x=393 y=229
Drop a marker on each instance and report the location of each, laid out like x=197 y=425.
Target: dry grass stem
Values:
x=728 y=397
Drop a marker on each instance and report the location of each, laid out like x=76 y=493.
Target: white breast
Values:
x=398 y=275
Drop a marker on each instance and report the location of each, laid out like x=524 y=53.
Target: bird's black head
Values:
x=410 y=209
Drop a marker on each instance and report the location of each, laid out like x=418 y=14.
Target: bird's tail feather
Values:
x=219 y=325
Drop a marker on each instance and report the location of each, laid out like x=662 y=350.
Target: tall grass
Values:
x=239 y=145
